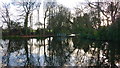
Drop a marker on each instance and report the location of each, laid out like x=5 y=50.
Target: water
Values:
x=55 y=51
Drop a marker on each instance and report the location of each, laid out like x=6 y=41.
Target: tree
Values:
x=60 y=21
x=7 y=18
x=83 y=26
x=5 y=14
x=109 y=10
x=27 y=7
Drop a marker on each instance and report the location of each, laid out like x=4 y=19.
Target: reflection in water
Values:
x=58 y=51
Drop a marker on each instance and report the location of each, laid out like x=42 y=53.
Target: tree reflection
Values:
x=13 y=51
x=60 y=51
x=102 y=52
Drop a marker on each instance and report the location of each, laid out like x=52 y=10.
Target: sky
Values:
x=67 y=3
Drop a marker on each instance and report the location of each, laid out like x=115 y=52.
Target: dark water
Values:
x=58 y=51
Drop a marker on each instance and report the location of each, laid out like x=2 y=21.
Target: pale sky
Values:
x=67 y=3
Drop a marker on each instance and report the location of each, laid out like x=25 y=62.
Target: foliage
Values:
x=60 y=22
x=83 y=26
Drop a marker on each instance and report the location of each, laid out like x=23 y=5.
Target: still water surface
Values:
x=58 y=52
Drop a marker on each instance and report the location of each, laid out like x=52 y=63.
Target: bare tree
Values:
x=108 y=9
x=5 y=14
x=27 y=7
